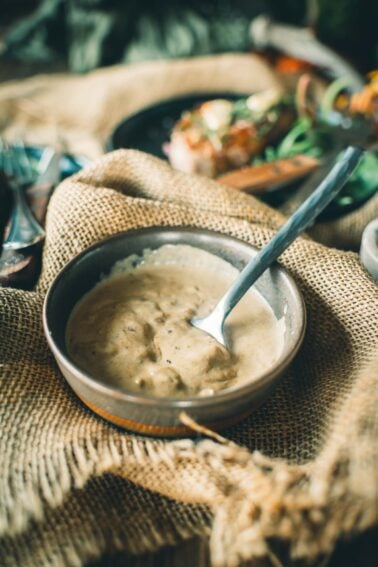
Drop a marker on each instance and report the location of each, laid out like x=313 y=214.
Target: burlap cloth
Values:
x=79 y=112
x=301 y=468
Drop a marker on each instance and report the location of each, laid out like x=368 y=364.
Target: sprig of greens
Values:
x=315 y=140
x=363 y=182
x=302 y=138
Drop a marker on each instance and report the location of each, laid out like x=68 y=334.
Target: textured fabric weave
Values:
x=301 y=468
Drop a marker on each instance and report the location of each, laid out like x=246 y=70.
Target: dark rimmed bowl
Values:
x=150 y=128
x=161 y=416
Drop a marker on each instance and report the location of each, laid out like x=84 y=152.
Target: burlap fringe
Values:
x=253 y=498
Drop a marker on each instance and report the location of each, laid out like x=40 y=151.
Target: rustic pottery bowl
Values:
x=161 y=416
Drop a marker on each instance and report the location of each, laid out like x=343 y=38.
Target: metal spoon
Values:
x=213 y=324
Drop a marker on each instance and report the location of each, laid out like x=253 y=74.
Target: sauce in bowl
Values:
x=132 y=329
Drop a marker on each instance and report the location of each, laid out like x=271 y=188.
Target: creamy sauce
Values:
x=132 y=329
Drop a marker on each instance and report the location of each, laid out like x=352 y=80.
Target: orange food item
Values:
x=290 y=65
x=220 y=135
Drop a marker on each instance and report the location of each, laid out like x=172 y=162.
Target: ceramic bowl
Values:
x=161 y=416
x=369 y=248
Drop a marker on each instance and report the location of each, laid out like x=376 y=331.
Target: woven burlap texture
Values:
x=79 y=112
x=301 y=468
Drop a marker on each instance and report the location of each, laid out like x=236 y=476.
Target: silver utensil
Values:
x=310 y=184
x=343 y=134
x=24 y=230
x=213 y=324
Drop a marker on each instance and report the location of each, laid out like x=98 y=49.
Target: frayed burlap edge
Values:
x=252 y=498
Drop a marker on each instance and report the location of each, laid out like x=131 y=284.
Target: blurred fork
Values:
x=24 y=230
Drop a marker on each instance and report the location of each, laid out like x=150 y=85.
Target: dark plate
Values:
x=150 y=128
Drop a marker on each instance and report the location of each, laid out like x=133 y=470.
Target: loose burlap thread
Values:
x=301 y=468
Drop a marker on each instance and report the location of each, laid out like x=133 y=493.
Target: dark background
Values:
x=70 y=33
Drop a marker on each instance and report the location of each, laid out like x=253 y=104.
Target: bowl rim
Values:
x=219 y=398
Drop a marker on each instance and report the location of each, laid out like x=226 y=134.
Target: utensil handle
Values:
x=298 y=222
x=24 y=230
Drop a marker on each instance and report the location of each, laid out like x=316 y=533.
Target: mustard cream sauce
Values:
x=132 y=329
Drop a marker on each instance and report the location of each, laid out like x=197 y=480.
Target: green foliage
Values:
x=315 y=140
x=363 y=182
x=302 y=138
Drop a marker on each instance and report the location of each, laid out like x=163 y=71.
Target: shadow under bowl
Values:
x=160 y=416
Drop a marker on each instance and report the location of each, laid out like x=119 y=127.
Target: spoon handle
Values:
x=298 y=222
